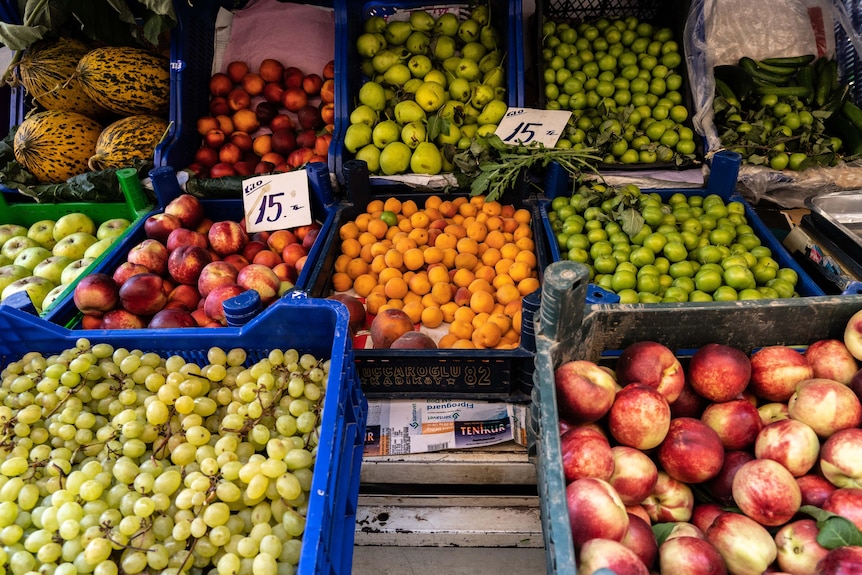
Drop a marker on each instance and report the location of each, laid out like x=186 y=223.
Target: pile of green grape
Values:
x=689 y=248
x=120 y=461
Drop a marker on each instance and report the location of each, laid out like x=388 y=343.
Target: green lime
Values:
x=390 y=218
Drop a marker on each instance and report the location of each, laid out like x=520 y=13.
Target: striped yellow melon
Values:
x=47 y=71
x=128 y=81
x=126 y=140
x=56 y=145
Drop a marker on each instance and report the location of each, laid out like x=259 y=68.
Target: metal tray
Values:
x=839 y=216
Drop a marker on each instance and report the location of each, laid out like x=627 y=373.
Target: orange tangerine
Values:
x=502 y=320
x=479 y=319
x=487 y=335
x=528 y=285
x=466 y=261
x=363 y=284
x=348 y=230
x=409 y=208
x=414 y=310
x=405 y=225
x=392 y=205
x=438 y=274
x=456 y=230
x=480 y=285
x=387 y=274
x=463 y=277
x=519 y=271
x=365 y=253
x=432 y=255
x=484 y=272
x=351 y=247
x=341 y=281
x=447 y=341
x=420 y=220
x=419 y=235
x=464 y=313
x=491 y=256
x=463 y=344
x=445 y=240
x=525 y=244
x=374 y=206
x=341 y=262
x=482 y=301
x=449 y=308
x=393 y=258
x=362 y=222
x=501 y=280
x=414 y=259
x=366 y=238
x=374 y=301
x=356 y=268
x=449 y=255
x=379 y=228
x=433 y=201
x=467 y=246
x=419 y=284
x=461 y=329
x=502 y=266
x=395 y=288
x=431 y=317
x=507 y=293
x=405 y=244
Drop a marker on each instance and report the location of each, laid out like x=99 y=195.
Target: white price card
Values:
x=528 y=125
x=276 y=201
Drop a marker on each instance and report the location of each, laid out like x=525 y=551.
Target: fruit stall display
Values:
x=462 y=270
x=419 y=84
x=45 y=249
x=695 y=440
x=231 y=450
x=620 y=69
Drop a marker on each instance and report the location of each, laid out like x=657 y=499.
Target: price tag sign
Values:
x=276 y=201
x=528 y=125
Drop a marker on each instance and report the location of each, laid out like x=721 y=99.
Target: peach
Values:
x=220 y=84
x=252 y=83
x=236 y=70
x=389 y=325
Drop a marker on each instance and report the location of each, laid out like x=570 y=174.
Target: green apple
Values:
x=16 y=245
x=112 y=228
x=446 y=24
x=52 y=268
x=31 y=257
x=397 y=32
x=43 y=232
x=395 y=158
x=71 y=272
x=493 y=112
x=373 y=95
x=430 y=96
x=419 y=65
x=369 y=154
x=412 y=133
x=8 y=231
x=72 y=223
x=36 y=287
x=98 y=248
x=52 y=296
x=357 y=136
x=407 y=111
x=385 y=132
x=363 y=114
x=74 y=245
x=426 y=159
x=11 y=273
x=422 y=20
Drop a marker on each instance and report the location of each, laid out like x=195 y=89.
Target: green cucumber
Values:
x=780 y=70
x=790 y=61
x=722 y=89
x=750 y=67
x=826 y=82
x=798 y=91
x=853 y=113
x=805 y=79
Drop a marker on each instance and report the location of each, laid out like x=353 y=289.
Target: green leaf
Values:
x=661 y=531
x=816 y=513
x=838 y=532
x=17 y=37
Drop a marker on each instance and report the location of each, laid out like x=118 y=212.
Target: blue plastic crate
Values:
x=309 y=325
x=507 y=16
x=567 y=329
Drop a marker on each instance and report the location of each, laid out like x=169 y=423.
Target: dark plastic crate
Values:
x=434 y=373
x=566 y=330
x=192 y=55
x=350 y=17
x=312 y=326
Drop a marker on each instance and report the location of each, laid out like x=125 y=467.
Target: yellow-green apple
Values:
x=607 y=554
x=595 y=511
x=737 y=422
x=585 y=392
x=214 y=300
x=798 y=549
x=73 y=223
x=143 y=294
x=122 y=319
x=216 y=274
x=261 y=279
x=96 y=294
x=685 y=529
x=226 y=237
x=184 y=236
x=187 y=208
x=10 y=273
x=634 y=474
x=639 y=416
x=16 y=244
x=585 y=454
x=43 y=232
x=704 y=514
x=690 y=556
x=112 y=228
x=640 y=539
x=97 y=249
x=830 y=359
x=159 y=226
x=815 y=489
x=845 y=560
x=31 y=257
x=36 y=287
x=186 y=263
x=688 y=404
x=670 y=500
x=721 y=486
x=853 y=335
x=151 y=254
x=719 y=372
x=652 y=364
x=126 y=270
x=846 y=502
x=52 y=296
x=825 y=405
x=841 y=458
x=72 y=271
x=74 y=245
x=52 y=268
x=773 y=411
x=775 y=371
x=172 y=318
x=765 y=491
x=692 y=451
x=9 y=231
x=745 y=545
x=791 y=443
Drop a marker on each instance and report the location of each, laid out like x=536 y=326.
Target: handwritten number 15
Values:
x=523 y=128
x=270 y=202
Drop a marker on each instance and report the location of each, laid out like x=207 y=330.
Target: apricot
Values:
x=388 y=325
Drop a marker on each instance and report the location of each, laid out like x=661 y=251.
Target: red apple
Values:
x=151 y=254
x=815 y=489
x=775 y=371
x=172 y=318
x=122 y=319
x=639 y=416
x=798 y=549
x=226 y=237
x=160 y=226
x=670 y=500
x=841 y=458
x=719 y=372
x=688 y=404
x=96 y=294
x=746 y=545
x=585 y=455
x=214 y=300
x=216 y=274
x=186 y=262
x=690 y=556
x=830 y=359
x=126 y=270
x=607 y=554
x=634 y=474
x=653 y=364
x=846 y=502
x=143 y=294
x=826 y=405
x=184 y=297
x=845 y=560
x=185 y=237
x=692 y=451
x=640 y=539
x=765 y=491
x=791 y=443
x=595 y=511
x=721 y=486
x=261 y=279
x=585 y=392
x=737 y=422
